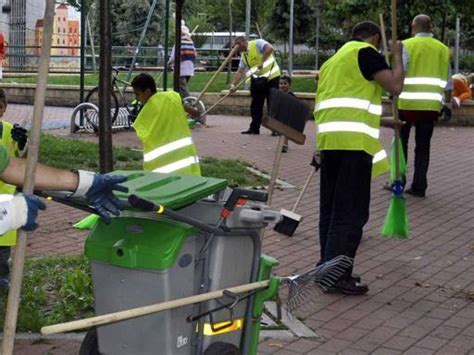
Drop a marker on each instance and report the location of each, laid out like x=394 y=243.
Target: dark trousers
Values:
x=259 y=93
x=4 y=267
x=424 y=124
x=344 y=201
x=183 y=86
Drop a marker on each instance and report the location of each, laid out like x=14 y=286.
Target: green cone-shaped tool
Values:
x=396 y=220
x=87 y=223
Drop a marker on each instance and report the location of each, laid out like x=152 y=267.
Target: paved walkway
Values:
x=421 y=289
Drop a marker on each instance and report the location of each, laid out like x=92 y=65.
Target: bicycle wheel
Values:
x=92 y=116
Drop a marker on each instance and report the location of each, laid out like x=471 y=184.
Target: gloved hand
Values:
x=316 y=161
x=33 y=204
x=455 y=102
x=19 y=135
x=98 y=190
x=19 y=211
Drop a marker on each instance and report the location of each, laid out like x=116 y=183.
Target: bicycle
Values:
x=116 y=104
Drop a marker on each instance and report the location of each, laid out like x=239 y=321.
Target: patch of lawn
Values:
x=55 y=289
x=69 y=153
x=196 y=84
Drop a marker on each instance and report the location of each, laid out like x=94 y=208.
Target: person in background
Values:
x=257 y=62
x=188 y=59
x=427 y=76
x=285 y=86
x=14 y=138
x=461 y=89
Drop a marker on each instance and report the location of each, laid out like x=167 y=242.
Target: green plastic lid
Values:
x=170 y=190
x=138 y=243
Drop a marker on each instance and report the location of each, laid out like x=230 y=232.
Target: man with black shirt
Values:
x=347 y=112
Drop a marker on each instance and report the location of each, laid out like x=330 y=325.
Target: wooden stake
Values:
x=29 y=180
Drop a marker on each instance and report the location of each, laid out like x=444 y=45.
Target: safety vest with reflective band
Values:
x=9 y=238
x=162 y=127
x=348 y=107
x=253 y=59
x=427 y=74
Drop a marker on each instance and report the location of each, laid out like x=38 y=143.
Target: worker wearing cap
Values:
x=348 y=120
x=257 y=62
x=21 y=210
x=162 y=127
x=427 y=75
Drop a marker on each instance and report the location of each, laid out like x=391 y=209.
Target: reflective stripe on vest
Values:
x=167 y=148
x=380 y=163
x=427 y=74
x=178 y=165
x=405 y=95
x=349 y=102
x=425 y=81
x=344 y=126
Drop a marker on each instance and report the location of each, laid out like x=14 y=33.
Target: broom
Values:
x=396 y=220
x=291 y=220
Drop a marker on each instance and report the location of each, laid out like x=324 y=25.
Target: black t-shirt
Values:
x=370 y=62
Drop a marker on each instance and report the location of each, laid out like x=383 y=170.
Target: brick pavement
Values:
x=419 y=288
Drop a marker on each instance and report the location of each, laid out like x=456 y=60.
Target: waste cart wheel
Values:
x=221 y=348
x=90 y=344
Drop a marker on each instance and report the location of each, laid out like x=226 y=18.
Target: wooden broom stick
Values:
x=142 y=311
x=29 y=180
x=220 y=69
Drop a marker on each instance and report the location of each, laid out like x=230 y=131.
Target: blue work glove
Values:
x=98 y=190
x=33 y=204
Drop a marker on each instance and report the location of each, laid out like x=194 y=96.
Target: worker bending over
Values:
x=163 y=129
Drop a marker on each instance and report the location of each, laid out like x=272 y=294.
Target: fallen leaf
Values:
x=417 y=258
x=278 y=345
x=471 y=245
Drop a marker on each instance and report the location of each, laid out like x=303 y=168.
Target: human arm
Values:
x=392 y=80
x=237 y=78
x=97 y=189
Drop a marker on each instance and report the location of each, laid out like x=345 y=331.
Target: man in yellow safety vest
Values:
x=257 y=62
x=427 y=75
x=347 y=112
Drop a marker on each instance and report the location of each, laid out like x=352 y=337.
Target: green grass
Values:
x=69 y=153
x=75 y=154
x=55 y=289
x=196 y=84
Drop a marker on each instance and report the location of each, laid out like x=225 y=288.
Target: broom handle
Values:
x=220 y=69
x=224 y=97
x=395 y=97
x=142 y=311
x=276 y=167
x=303 y=191
x=28 y=186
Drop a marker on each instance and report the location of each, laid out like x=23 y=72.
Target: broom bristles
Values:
x=396 y=221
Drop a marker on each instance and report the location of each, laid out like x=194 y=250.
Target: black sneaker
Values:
x=249 y=131
x=349 y=287
x=415 y=193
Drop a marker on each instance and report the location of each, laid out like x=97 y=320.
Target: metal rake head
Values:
x=305 y=288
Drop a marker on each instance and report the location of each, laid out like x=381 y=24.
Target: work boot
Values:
x=349 y=287
x=250 y=131
x=415 y=193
